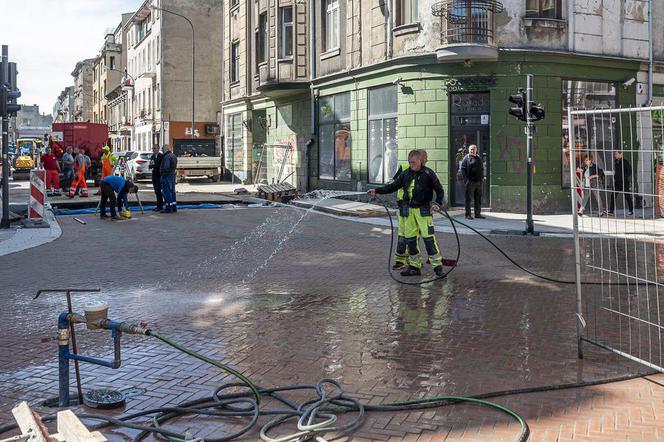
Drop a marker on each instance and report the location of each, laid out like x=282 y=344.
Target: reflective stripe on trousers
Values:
x=419 y=225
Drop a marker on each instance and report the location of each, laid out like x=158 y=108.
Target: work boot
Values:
x=480 y=217
x=438 y=270
x=411 y=271
x=398 y=265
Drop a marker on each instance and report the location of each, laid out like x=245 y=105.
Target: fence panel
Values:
x=617 y=175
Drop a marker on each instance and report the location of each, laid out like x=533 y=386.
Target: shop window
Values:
x=234 y=150
x=543 y=9
x=596 y=135
x=334 y=138
x=406 y=12
x=286 y=31
x=383 y=142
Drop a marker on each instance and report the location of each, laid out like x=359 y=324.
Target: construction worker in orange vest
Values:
x=81 y=163
x=108 y=160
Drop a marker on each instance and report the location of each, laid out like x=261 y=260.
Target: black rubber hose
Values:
x=454 y=221
x=427 y=281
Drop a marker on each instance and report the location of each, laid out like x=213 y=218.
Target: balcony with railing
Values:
x=467 y=29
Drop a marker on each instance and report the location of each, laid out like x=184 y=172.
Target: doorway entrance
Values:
x=469 y=124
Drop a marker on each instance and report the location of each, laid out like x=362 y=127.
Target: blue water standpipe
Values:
x=64 y=355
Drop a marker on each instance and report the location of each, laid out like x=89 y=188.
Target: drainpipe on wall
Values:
x=221 y=85
x=570 y=25
x=650 y=53
x=312 y=77
x=388 y=31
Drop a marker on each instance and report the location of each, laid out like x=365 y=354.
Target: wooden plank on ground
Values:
x=29 y=423
x=73 y=430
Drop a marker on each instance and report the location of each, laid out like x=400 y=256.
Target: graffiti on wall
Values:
x=513 y=151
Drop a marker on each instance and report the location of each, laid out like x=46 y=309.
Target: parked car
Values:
x=137 y=165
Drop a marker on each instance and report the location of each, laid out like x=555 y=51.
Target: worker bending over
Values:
x=109 y=187
x=418 y=183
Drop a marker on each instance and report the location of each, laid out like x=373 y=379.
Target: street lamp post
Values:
x=193 y=65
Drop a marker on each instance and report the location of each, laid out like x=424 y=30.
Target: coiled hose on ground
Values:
x=316 y=416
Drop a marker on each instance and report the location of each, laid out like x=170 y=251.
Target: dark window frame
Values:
x=400 y=11
x=234 y=73
x=261 y=38
x=383 y=117
x=325 y=25
x=565 y=175
x=337 y=125
x=539 y=12
x=286 y=47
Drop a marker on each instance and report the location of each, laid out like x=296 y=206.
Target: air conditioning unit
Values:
x=212 y=129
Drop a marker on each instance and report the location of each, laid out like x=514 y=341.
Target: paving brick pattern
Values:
x=323 y=307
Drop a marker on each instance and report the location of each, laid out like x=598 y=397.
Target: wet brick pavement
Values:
x=323 y=307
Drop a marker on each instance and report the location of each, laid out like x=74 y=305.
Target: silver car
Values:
x=138 y=165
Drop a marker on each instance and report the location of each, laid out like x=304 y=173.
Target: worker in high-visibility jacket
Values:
x=400 y=254
x=108 y=160
x=81 y=163
x=418 y=183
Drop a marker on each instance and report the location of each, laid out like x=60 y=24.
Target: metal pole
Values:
x=79 y=389
x=63 y=359
x=530 y=229
x=650 y=53
x=193 y=79
x=575 y=223
x=4 y=74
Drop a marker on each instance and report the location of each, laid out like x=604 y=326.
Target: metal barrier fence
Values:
x=616 y=167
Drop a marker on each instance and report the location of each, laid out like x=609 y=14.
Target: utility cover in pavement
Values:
x=103 y=398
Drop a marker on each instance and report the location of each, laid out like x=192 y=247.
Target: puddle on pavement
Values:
x=248 y=257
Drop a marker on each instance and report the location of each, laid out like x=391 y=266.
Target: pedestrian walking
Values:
x=110 y=186
x=593 y=177
x=81 y=164
x=67 y=169
x=155 y=165
x=472 y=170
x=622 y=172
x=52 y=168
x=167 y=172
x=418 y=183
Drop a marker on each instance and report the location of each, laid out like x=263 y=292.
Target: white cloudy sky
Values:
x=47 y=37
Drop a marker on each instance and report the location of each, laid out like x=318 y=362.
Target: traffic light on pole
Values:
x=12 y=106
x=8 y=104
x=536 y=112
x=521 y=106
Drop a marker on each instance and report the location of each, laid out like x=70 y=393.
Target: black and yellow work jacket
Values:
x=418 y=187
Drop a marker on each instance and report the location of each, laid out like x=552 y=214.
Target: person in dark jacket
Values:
x=167 y=170
x=155 y=164
x=621 y=185
x=592 y=183
x=111 y=185
x=472 y=170
x=418 y=183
